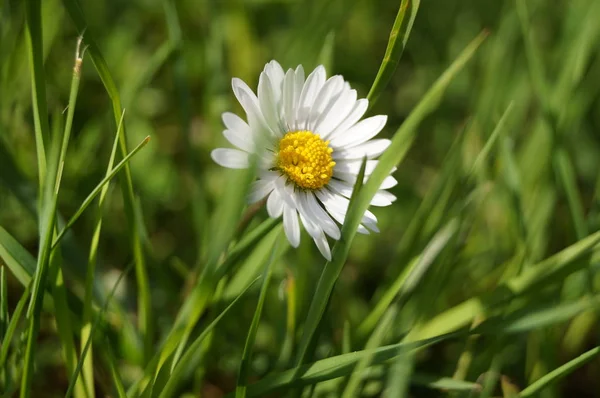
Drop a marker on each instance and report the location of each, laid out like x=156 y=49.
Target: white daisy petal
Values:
x=276 y=75
x=320 y=216
x=249 y=102
x=259 y=189
x=317 y=234
x=289 y=99
x=371 y=149
x=240 y=140
x=338 y=208
x=353 y=166
x=341 y=187
x=269 y=103
x=383 y=198
x=230 y=158
x=339 y=108
x=359 y=109
x=330 y=91
x=275 y=204
x=236 y=123
x=360 y=132
x=388 y=183
x=291 y=225
x=311 y=88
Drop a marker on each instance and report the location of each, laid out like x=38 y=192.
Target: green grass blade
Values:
x=397 y=41
x=412 y=273
x=566 y=174
x=242 y=381
x=489 y=144
x=245 y=245
x=562 y=371
x=38 y=84
x=20 y=262
x=537 y=316
x=98 y=189
x=109 y=356
x=334 y=367
x=12 y=325
x=64 y=324
x=143 y=288
x=88 y=342
x=190 y=356
x=553 y=269
x=4 y=315
x=408 y=280
x=375 y=340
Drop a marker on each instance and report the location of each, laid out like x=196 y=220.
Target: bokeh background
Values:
x=535 y=194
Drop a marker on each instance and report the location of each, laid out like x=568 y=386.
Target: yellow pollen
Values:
x=306 y=159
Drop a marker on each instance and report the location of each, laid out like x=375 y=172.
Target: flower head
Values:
x=310 y=142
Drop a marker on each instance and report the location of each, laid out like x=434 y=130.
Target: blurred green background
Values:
x=536 y=193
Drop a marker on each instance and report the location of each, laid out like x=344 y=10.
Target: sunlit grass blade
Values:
x=553 y=269
x=408 y=280
x=537 y=316
x=98 y=189
x=240 y=391
x=562 y=371
x=99 y=316
x=397 y=41
x=190 y=356
x=333 y=367
x=401 y=142
x=245 y=245
x=143 y=288
x=375 y=340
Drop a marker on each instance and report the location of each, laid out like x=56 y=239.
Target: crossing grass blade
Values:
x=408 y=280
x=559 y=373
x=553 y=269
x=98 y=189
x=12 y=325
x=245 y=364
x=401 y=142
x=88 y=342
x=337 y=366
x=88 y=371
x=109 y=356
x=397 y=41
x=144 y=305
x=375 y=340
x=190 y=356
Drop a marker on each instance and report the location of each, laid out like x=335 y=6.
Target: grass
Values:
x=482 y=282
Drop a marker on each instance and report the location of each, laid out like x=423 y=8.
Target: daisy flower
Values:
x=310 y=141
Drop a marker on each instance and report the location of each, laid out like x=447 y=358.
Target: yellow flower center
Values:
x=306 y=159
